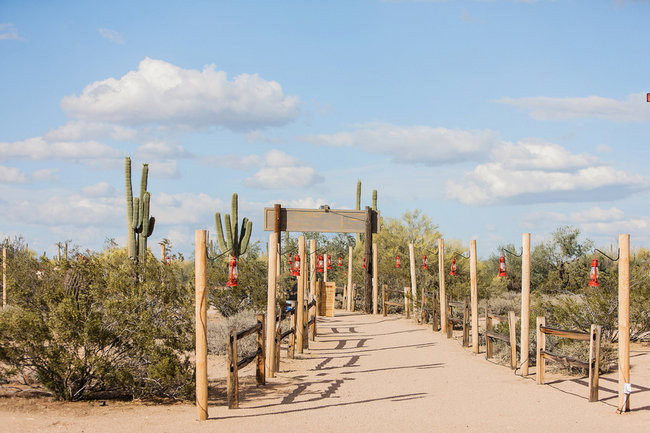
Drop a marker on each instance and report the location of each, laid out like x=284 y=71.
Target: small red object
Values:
x=295 y=271
x=398 y=262
x=647 y=97
x=502 y=266
x=340 y=261
x=232 y=282
x=364 y=263
x=593 y=275
x=453 y=266
x=329 y=262
x=424 y=262
x=319 y=264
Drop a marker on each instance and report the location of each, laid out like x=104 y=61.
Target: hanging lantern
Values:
x=424 y=262
x=289 y=261
x=340 y=261
x=329 y=262
x=453 y=266
x=398 y=262
x=319 y=264
x=502 y=266
x=593 y=275
x=295 y=271
x=364 y=263
x=232 y=282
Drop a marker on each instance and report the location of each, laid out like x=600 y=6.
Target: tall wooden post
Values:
x=325 y=268
x=525 y=303
x=312 y=267
x=367 y=274
x=162 y=252
x=201 y=314
x=473 y=293
x=541 y=346
x=441 y=282
x=414 y=284
x=350 y=292
x=4 y=278
x=271 y=305
x=623 y=321
x=375 y=282
x=300 y=301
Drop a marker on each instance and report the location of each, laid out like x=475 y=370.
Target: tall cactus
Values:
x=233 y=239
x=374 y=199
x=140 y=224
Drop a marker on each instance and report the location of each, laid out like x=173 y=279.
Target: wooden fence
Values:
x=405 y=304
x=433 y=309
x=234 y=363
x=510 y=338
x=279 y=335
x=594 y=353
x=451 y=321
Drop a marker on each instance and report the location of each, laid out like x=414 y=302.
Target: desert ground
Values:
x=364 y=373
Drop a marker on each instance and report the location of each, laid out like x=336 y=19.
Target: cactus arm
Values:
x=143 y=180
x=145 y=212
x=152 y=223
x=234 y=215
x=220 y=239
x=228 y=234
x=248 y=229
x=374 y=199
x=136 y=214
x=359 y=194
x=130 y=242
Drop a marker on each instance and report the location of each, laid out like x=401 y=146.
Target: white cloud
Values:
x=412 y=144
x=160 y=150
x=283 y=171
x=79 y=130
x=46 y=175
x=111 y=35
x=37 y=148
x=633 y=109
x=8 y=32
x=161 y=93
x=101 y=189
x=542 y=172
x=12 y=175
x=184 y=208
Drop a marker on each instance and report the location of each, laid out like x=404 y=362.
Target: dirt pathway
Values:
x=370 y=374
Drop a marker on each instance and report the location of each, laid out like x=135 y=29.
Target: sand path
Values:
x=371 y=374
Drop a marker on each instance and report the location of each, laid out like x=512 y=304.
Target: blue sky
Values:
x=493 y=117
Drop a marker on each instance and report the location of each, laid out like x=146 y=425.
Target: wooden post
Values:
x=271 y=305
x=278 y=344
x=325 y=268
x=441 y=282
x=407 y=302
x=525 y=304
x=594 y=361
x=162 y=252
x=300 y=299
x=367 y=274
x=314 y=332
x=512 y=327
x=312 y=266
x=474 y=294
x=414 y=284
x=541 y=345
x=350 y=292
x=384 y=296
x=375 y=278
x=259 y=372
x=465 y=324
x=279 y=261
x=488 y=329
x=233 y=373
x=623 y=321
x=450 y=325
x=434 y=312
x=4 y=278
x=292 y=337
x=201 y=314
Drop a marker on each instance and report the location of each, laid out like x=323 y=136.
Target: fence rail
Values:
x=434 y=309
x=405 y=304
x=594 y=353
x=510 y=338
x=451 y=321
x=234 y=363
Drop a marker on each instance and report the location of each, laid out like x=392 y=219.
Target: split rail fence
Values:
x=433 y=310
x=510 y=338
x=464 y=322
x=594 y=353
x=405 y=304
x=234 y=363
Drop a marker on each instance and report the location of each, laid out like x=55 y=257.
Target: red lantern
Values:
x=340 y=261
x=232 y=282
x=329 y=262
x=289 y=261
x=593 y=275
x=364 y=263
x=502 y=266
x=296 y=267
x=398 y=262
x=424 y=262
x=319 y=264
x=453 y=266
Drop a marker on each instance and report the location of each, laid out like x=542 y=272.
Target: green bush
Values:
x=119 y=329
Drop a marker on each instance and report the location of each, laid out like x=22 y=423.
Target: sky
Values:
x=494 y=118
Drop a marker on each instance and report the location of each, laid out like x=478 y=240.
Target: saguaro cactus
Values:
x=374 y=199
x=233 y=239
x=139 y=223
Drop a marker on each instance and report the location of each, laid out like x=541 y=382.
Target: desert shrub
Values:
x=218 y=333
x=120 y=329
